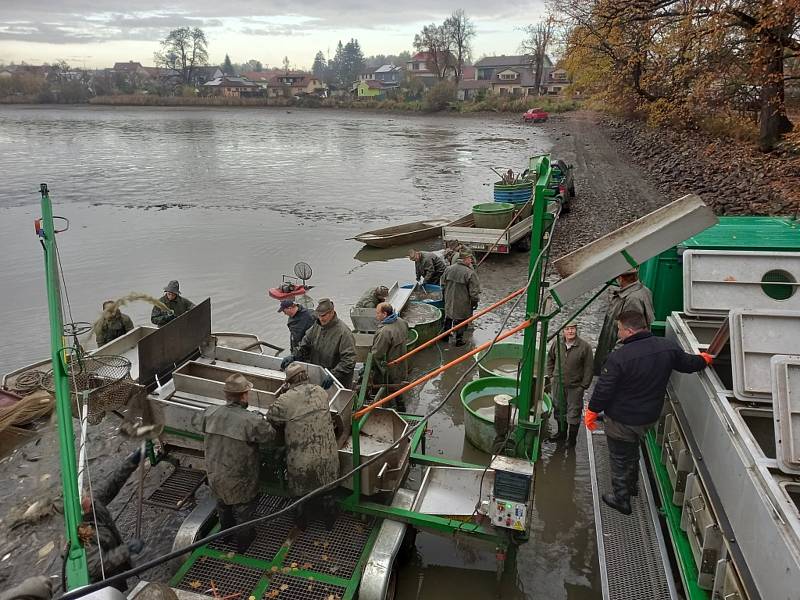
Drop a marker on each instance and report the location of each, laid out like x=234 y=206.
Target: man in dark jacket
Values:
x=233 y=462
x=112 y=324
x=300 y=320
x=388 y=344
x=175 y=303
x=98 y=527
x=569 y=372
x=372 y=297
x=630 y=391
x=428 y=266
x=328 y=343
x=461 y=290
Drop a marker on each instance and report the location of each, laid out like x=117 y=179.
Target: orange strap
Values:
x=441 y=369
x=463 y=323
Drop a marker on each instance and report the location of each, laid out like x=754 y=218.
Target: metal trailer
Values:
x=498 y=241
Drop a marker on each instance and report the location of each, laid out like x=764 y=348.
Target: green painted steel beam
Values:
x=76 y=571
x=423 y=521
x=672 y=515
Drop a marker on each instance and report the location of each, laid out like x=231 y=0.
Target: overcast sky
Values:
x=97 y=33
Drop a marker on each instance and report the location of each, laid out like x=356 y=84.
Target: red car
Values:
x=534 y=115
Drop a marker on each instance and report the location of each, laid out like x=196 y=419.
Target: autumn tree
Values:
x=183 y=50
x=460 y=29
x=436 y=42
x=537 y=41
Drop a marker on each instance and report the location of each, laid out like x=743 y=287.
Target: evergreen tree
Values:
x=336 y=65
x=320 y=66
x=227 y=66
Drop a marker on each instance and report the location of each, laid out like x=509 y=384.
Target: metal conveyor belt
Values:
x=633 y=561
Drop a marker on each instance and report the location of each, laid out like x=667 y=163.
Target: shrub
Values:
x=440 y=96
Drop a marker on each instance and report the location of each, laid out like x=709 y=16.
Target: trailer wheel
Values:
x=523 y=244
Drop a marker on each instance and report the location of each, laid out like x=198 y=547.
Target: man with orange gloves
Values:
x=630 y=391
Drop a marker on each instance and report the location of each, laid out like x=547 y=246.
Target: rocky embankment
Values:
x=732 y=177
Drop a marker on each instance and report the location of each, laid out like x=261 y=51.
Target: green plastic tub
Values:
x=477 y=397
x=493 y=215
x=424 y=318
x=502 y=360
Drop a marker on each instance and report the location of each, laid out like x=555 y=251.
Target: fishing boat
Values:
x=407 y=233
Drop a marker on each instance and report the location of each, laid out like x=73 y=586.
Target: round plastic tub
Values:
x=477 y=397
x=431 y=294
x=517 y=194
x=502 y=360
x=424 y=318
x=493 y=215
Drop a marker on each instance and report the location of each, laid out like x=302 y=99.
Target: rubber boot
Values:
x=558 y=436
x=633 y=477
x=619 y=465
x=572 y=436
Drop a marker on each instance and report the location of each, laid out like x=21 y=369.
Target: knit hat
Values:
x=173 y=287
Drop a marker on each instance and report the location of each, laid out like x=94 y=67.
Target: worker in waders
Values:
x=175 y=303
x=233 y=462
x=372 y=297
x=428 y=267
x=631 y=391
x=569 y=374
x=107 y=553
x=388 y=344
x=112 y=324
x=300 y=414
x=461 y=290
x=300 y=320
x=328 y=343
x=632 y=295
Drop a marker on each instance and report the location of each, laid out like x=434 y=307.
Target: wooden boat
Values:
x=406 y=233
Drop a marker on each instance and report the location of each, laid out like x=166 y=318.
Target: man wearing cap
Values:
x=631 y=296
x=175 y=303
x=372 y=297
x=569 y=372
x=328 y=343
x=428 y=266
x=300 y=320
x=301 y=414
x=231 y=444
x=388 y=344
x=461 y=290
x=452 y=249
x=112 y=324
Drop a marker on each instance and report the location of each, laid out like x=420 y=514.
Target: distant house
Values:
x=39 y=71
x=388 y=75
x=232 y=87
x=295 y=83
x=259 y=77
x=512 y=75
x=421 y=65
x=372 y=88
x=6 y=73
x=556 y=81
x=469 y=89
x=201 y=75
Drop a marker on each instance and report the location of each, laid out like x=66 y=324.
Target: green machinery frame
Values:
x=76 y=570
x=527 y=434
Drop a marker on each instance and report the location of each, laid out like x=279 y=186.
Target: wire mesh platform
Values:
x=633 y=559
x=283 y=561
x=177 y=489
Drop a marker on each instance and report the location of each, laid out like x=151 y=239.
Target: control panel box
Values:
x=510 y=501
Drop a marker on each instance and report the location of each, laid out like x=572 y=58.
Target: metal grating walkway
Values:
x=209 y=574
x=633 y=560
x=177 y=489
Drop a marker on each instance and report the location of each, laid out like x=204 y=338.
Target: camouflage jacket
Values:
x=178 y=306
x=111 y=329
x=368 y=299
x=332 y=346
x=390 y=343
x=634 y=297
x=312 y=458
x=233 y=461
x=33 y=588
x=302 y=320
x=461 y=290
x=430 y=267
x=116 y=557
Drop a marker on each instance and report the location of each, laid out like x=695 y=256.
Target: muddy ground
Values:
x=611 y=191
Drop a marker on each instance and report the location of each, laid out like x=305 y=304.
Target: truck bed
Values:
x=481 y=239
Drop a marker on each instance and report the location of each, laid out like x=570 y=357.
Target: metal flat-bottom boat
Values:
x=406 y=233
